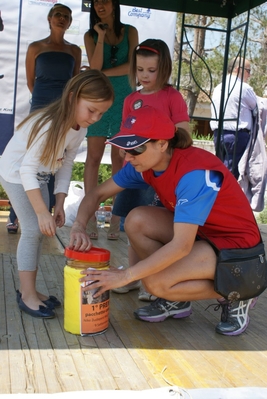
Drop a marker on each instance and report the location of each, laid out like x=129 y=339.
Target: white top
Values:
x=22 y=166
x=248 y=104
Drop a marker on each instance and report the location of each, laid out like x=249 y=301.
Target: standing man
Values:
x=235 y=133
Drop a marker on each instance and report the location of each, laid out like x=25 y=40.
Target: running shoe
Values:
x=234 y=317
x=161 y=309
x=135 y=285
x=145 y=296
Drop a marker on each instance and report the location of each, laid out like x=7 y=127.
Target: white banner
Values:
x=16 y=36
x=9 y=44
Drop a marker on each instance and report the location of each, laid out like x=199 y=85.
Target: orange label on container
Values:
x=94 y=312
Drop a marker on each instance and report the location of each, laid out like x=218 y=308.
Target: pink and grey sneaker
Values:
x=234 y=317
x=160 y=309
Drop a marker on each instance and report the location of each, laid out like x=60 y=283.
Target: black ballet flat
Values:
x=52 y=302
x=18 y=296
x=42 y=313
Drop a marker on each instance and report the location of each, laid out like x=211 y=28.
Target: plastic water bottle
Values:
x=101 y=216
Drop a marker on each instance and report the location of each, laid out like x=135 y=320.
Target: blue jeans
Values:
x=232 y=148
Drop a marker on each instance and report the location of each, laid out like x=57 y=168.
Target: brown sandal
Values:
x=92 y=230
x=114 y=231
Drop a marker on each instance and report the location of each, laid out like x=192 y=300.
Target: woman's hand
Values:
x=105 y=279
x=100 y=29
x=79 y=240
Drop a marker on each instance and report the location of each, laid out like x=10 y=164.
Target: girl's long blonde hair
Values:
x=91 y=85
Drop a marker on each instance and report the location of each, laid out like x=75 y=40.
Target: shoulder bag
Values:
x=241 y=273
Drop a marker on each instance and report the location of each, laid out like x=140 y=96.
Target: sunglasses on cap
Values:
x=137 y=151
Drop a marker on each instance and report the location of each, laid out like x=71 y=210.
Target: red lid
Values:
x=94 y=255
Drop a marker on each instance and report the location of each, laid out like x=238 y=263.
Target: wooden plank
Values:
x=39 y=356
x=120 y=362
x=4 y=363
x=50 y=275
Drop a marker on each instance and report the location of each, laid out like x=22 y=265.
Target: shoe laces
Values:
x=224 y=305
x=235 y=312
x=157 y=304
x=160 y=304
x=164 y=305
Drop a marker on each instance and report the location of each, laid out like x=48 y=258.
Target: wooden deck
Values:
x=39 y=356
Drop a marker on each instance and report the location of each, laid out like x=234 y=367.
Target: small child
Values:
x=151 y=66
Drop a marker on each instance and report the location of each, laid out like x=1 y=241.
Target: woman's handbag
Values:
x=241 y=273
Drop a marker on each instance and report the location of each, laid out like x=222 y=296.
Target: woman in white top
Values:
x=46 y=143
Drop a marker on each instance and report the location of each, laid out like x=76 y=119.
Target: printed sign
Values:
x=25 y=21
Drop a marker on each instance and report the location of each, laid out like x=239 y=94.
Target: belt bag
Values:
x=241 y=273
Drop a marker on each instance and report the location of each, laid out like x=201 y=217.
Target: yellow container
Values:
x=83 y=314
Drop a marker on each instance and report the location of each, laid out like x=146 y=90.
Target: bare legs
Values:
x=95 y=150
x=116 y=164
x=190 y=278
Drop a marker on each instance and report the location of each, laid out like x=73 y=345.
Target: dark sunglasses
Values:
x=113 y=59
x=137 y=151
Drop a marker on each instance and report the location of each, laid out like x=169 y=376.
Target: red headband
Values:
x=147 y=48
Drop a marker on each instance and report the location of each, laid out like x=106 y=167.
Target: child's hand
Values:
x=47 y=224
x=59 y=216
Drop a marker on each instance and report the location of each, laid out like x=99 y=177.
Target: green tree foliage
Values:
x=104 y=172
x=203 y=52
x=77 y=171
x=257 y=49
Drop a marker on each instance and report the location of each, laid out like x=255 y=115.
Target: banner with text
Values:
x=26 y=21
